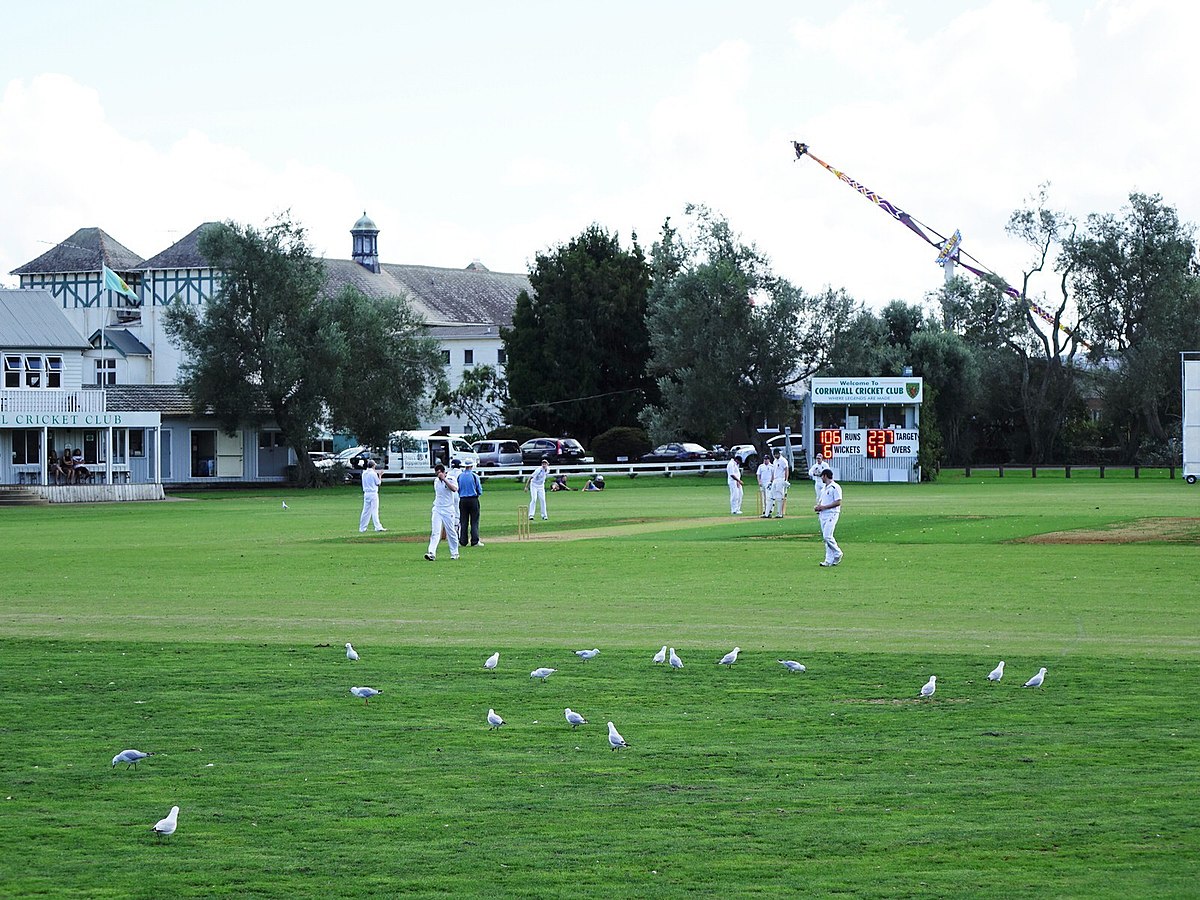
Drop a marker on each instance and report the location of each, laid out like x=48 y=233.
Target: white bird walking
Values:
x=661 y=656
x=997 y=673
x=929 y=687
x=129 y=757
x=494 y=721
x=791 y=665
x=1036 y=680
x=676 y=662
x=351 y=653
x=729 y=658
x=166 y=827
x=285 y=506
x=614 y=737
x=364 y=693
x=543 y=673
x=574 y=719
x=492 y=661
x=585 y=655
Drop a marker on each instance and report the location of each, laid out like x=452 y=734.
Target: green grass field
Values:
x=210 y=631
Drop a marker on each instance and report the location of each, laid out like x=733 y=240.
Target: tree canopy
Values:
x=268 y=346
x=578 y=346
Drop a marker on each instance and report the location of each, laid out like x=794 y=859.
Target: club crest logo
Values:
x=912 y=388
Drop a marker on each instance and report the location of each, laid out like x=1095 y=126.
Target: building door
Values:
x=204 y=452
x=272 y=454
x=229 y=455
x=164 y=455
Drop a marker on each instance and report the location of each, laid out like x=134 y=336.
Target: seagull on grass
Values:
x=129 y=757
x=285 y=506
x=791 y=665
x=929 y=687
x=494 y=720
x=997 y=673
x=351 y=653
x=729 y=658
x=1036 y=680
x=492 y=661
x=661 y=656
x=364 y=693
x=614 y=737
x=166 y=827
x=574 y=719
x=543 y=673
x=585 y=655
x=676 y=662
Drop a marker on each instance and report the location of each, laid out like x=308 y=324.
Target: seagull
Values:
x=929 y=687
x=661 y=656
x=130 y=757
x=574 y=719
x=494 y=721
x=1036 y=680
x=791 y=665
x=351 y=653
x=492 y=661
x=729 y=658
x=997 y=673
x=585 y=655
x=542 y=673
x=166 y=827
x=676 y=662
x=365 y=693
x=614 y=737
x=285 y=506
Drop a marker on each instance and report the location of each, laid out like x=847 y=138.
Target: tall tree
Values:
x=578 y=346
x=268 y=346
x=728 y=335
x=481 y=394
x=1138 y=288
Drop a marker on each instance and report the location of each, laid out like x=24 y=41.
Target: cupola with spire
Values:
x=366 y=243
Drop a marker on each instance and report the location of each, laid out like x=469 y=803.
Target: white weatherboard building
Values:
x=123 y=351
x=868 y=429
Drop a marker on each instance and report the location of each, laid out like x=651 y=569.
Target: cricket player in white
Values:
x=814 y=472
x=370 y=486
x=779 y=485
x=763 y=474
x=828 y=508
x=445 y=502
x=536 y=485
x=733 y=473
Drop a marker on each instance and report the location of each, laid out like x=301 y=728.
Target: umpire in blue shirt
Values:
x=470 y=487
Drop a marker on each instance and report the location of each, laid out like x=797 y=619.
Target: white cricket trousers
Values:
x=537 y=492
x=443 y=520
x=829 y=521
x=735 y=497
x=777 y=494
x=370 y=511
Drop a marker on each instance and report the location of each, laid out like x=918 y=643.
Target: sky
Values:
x=494 y=132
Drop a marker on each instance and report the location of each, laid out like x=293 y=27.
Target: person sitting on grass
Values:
x=560 y=483
x=595 y=484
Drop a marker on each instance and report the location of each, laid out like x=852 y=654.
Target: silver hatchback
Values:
x=497 y=453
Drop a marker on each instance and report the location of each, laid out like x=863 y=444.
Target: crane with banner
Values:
x=950 y=250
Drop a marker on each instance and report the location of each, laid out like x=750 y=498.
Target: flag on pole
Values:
x=114 y=282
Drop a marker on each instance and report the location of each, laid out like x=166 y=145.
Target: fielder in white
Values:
x=370 y=486
x=445 y=503
x=814 y=472
x=536 y=485
x=779 y=485
x=828 y=508
x=763 y=475
x=733 y=474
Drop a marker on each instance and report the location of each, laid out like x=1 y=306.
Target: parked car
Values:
x=351 y=458
x=498 y=453
x=677 y=452
x=557 y=450
x=746 y=455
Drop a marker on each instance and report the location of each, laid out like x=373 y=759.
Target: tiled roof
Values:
x=84 y=251
x=168 y=399
x=121 y=340
x=34 y=320
x=183 y=254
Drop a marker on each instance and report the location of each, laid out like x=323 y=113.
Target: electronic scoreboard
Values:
x=873 y=443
